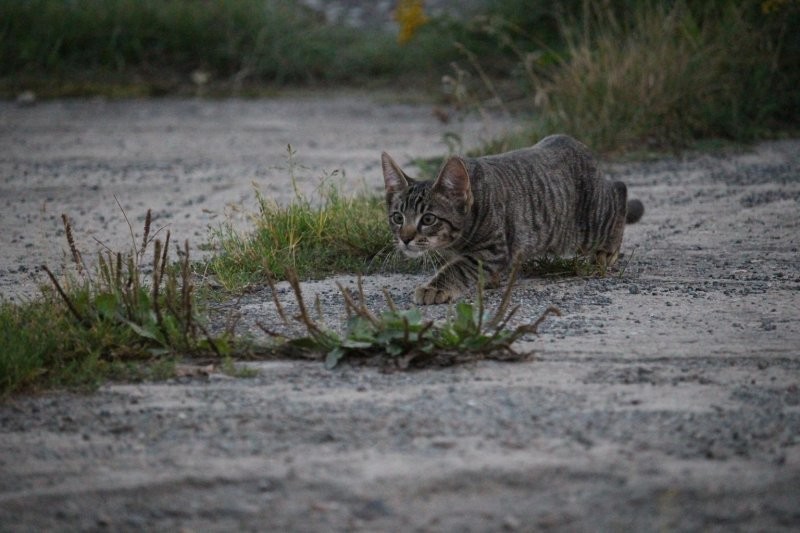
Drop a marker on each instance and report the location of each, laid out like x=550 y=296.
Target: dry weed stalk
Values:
x=398 y=338
x=67 y=300
x=160 y=312
x=146 y=233
x=77 y=258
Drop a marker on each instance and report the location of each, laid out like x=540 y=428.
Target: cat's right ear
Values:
x=393 y=176
x=454 y=183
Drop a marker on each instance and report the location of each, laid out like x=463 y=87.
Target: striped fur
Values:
x=487 y=213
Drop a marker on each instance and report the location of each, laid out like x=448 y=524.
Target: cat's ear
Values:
x=393 y=176
x=453 y=181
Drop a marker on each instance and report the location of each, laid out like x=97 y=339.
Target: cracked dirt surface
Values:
x=666 y=397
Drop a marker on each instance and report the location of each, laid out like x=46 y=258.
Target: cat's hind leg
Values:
x=605 y=260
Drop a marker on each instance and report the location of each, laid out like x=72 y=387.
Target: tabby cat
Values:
x=487 y=213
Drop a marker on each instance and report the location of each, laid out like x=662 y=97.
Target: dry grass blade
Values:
x=270 y=332
x=164 y=256
x=67 y=300
x=104 y=267
x=275 y=300
x=186 y=293
x=534 y=328
x=359 y=308
x=127 y=221
x=500 y=313
x=350 y=305
x=303 y=316
x=504 y=322
x=146 y=234
x=362 y=299
x=389 y=300
x=76 y=254
x=155 y=296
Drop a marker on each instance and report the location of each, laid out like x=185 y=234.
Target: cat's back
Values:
x=556 y=157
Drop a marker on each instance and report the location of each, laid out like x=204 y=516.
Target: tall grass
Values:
x=277 y=40
x=618 y=74
x=627 y=75
x=662 y=78
x=235 y=43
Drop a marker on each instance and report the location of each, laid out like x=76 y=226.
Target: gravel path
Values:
x=667 y=397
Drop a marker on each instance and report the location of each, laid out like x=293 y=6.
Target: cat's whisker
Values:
x=392 y=258
x=438 y=259
x=383 y=254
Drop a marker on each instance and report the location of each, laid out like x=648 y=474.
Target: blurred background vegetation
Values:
x=616 y=73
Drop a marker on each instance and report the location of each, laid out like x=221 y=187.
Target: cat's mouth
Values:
x=413 y=249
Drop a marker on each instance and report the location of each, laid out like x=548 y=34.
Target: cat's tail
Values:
x=634 y=211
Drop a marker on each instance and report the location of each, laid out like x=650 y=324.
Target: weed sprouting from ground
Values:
x=106 y=320
x=159 y=311
x=404 y=339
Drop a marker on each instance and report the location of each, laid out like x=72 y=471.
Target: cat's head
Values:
x=426 y=215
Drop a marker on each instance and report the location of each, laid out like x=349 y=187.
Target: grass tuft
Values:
x=404 y=339
x=129 y=48
x=631 y=76
x=314 y=236
x=110 y=321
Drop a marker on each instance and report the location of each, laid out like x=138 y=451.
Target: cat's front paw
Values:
x=427 y=295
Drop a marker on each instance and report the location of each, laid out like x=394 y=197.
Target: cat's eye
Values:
x=428 y=219
x=397 y=218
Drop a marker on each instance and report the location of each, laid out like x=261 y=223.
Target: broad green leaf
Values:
x=360 y=329
x=356 y=345
x=389 y=335
x=465 y=317
x=333 y=357
x=148 y=333
x=394 y=350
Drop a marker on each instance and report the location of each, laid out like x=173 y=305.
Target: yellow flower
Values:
x=773 y=6
x=410 y=15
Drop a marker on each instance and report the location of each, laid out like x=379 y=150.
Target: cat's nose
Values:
x=407 y=234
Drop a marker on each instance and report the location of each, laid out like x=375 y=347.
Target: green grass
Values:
x=108 y=322
x=618 y=74
x=315 y=236
x=152 y=47
x=632 y=76
x=277 y=40
x=342 y=234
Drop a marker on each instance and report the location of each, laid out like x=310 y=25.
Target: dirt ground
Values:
x=667 y=396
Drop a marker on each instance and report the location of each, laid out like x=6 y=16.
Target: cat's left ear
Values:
x=393 y=176
x=453 y=181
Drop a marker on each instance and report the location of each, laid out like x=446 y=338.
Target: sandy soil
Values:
x=666 y=397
